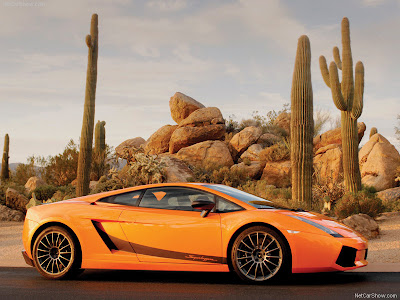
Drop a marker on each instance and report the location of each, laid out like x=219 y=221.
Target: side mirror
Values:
x=205 y=205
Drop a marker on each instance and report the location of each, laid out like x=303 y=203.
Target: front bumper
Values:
x=27 y=259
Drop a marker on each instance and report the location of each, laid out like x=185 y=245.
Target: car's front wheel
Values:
x=259 y=254
x=55 y=253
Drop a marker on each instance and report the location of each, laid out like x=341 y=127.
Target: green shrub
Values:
x=24 y=171
x=277 y=152
x=362 y=202
x=9 y=184
x=222 y=175
x=44 y=192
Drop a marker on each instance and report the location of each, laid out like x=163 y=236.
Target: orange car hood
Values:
x=324 y=221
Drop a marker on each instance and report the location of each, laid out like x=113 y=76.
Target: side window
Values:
x=173 y=198
x=130 y=198
x=224 y=206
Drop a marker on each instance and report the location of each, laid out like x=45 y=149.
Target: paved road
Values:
x=18 y=283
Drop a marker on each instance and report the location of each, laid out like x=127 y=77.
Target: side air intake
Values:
x=106 y=239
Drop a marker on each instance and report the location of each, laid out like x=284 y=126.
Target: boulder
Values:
x=378 y=162
x=176 y=170
x=254 y=170
x=202 y=117
x=16 y=200
x=244 y=139
x=129 y=144
x=33 y=183
x=283 y=121
x=187 y=136
x=208 y=154
x=268 y=139
x=8 y=214
x=252 y=153
x=328 y=163
x=334 y=136
x=363 y=224
x=182 y=106
x=277 y=173
x=389 y=196
x=159 y=141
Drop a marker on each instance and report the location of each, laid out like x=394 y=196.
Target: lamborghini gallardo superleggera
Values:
x=186 y=227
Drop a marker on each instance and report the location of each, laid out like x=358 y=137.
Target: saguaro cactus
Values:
x=5 y=172
x=348 y=97
x=85 y=151
x=302 y=124
x=373 y=131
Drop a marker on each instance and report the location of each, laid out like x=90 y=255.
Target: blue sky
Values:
x=236 y=55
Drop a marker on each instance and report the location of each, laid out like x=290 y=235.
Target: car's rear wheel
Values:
x=55 y=253
x=259 y=254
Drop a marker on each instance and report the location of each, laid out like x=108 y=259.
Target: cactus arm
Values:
x=358 y=101
x=324 y=70
x=335 y=88
x=336 y=57
x=89 y=40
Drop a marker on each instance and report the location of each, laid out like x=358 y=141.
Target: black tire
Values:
x=56 y=253
x=259 y=255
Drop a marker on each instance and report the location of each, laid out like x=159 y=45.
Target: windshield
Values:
x=245 y=197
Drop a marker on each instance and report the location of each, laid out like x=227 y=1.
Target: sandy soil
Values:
x=384 y=249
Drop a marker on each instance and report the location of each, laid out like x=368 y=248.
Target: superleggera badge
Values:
x=202 y=258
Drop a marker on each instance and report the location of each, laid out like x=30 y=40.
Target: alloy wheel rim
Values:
x=54 y=253
x=258 y=256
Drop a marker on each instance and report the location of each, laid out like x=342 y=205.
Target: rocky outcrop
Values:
x=334 y=136
x=187 y=136
x=8 y=214
x=176 y=170
x=203 y=117
x=283 y=121
x=208 y=154
x=252 y=170
x=389 y=196
x=129 y=145
x=182 y=106
x=16 y=200
x=33 y=183
x=378 y=162
x=252 y=153
x=328 y=163
x=244 y=139
x=363 y=224
x=204 y=124
x=159 y=141
x=268 y=139
x=277 y=173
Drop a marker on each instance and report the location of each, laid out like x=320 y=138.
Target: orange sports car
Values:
x=186 y=227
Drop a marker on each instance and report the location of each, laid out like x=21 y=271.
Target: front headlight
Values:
x=323 y=228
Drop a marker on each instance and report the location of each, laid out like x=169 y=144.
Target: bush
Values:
x=44 y=192
x=9 y=184
x=362 y=202
x=223 y=175
x=61 y=169
x=277 y=152
x=24 y=171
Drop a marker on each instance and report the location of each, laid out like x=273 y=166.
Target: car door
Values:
x=165 y=228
